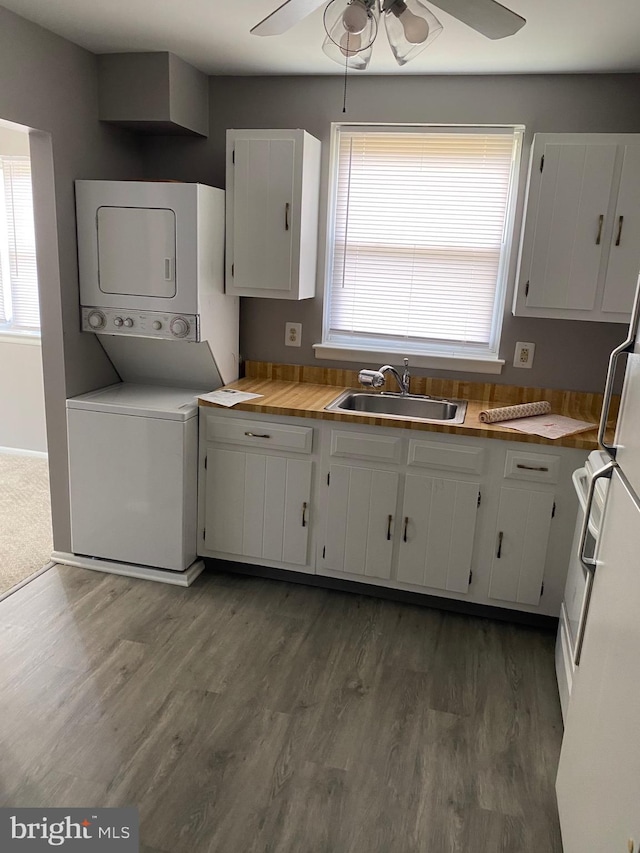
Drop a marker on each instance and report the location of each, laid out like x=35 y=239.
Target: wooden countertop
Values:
x=308 y=400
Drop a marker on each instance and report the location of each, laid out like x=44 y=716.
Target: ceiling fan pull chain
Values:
x=346 y=69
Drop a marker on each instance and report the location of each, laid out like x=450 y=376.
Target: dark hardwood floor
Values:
x=245 y=715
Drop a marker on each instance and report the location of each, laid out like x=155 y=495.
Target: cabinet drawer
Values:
x=260 y=434
x=362 y=445
x=450 y=457
x=536 y=467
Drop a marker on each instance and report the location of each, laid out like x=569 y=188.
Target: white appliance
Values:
x=151 y=265
x=598 y=783
x=133 y=479
x=579 y=579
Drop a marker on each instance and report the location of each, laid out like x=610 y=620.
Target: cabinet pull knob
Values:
x=304 y=514
x=390 y=519
x=257 y=435
x=406 y=522
x=620 y=221
x=499 y=551
x=532 y=467
x=600 y=224
x=286 y=216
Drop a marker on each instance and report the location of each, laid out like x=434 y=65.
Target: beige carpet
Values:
x=25 y=518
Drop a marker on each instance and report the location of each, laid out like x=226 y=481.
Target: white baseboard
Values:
x=131 y=570
x=17 y=451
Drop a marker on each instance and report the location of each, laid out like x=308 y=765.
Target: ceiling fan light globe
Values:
x=357 y=61
x=355 y=17
x=411 y=27
x=416 y=29
x=350 y=44
x=351 y=49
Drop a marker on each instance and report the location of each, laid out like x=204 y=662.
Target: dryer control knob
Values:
x=128 y=322
x=96 y=319
x=179 y=327
x=118 y=321
x=157 y=325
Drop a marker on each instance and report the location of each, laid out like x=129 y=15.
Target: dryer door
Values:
x=137 y=252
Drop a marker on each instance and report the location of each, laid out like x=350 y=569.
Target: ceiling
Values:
x=560 y=36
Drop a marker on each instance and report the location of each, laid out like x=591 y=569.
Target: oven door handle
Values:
x=589 y=563
x=579 y=478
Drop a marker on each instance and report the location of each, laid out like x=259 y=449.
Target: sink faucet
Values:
x=376 y=378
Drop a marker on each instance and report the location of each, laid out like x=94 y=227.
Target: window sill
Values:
x=7 y=336
x=459 y=363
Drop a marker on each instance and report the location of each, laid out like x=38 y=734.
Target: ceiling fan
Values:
x=351 y=26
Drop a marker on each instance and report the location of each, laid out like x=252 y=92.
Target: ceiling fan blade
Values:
x=285 y=16
x=488 y=17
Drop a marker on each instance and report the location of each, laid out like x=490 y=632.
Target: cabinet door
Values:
x=263 y=196
x=438 y=528
x=258 y=505
x=360 y=521
x=522 y=536
x=572 y=202
x=624 y=256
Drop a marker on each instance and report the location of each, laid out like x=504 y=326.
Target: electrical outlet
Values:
x=524 y=354
x=292 y=334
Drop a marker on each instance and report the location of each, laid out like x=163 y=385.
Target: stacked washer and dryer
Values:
x=151 y=265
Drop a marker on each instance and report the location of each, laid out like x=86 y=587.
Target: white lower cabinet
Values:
x=522 y=538
x=438 y=527
x=256 y=490
x=258 y=505
x=360 y=522
x=475 y=519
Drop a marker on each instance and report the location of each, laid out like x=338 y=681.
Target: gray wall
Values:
x=569 y=354
x=49 y=84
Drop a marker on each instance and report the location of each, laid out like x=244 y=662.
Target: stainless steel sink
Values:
x=402 y=406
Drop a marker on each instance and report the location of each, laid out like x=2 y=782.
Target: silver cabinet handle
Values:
x=389 y=527
x=168 y=269
x=257 y=435
x=532 y=467
x=626 y=346
x=499 y=551
x=589 y=563
x=286 y=216
x=304 y=514
x=600 y=224
x=620 y=221
x=406 y=523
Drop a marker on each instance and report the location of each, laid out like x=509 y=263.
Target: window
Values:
x=419 y=241
x=19 y=311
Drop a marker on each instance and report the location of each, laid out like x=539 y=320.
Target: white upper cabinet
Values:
x=580 y=244
x=273 y=186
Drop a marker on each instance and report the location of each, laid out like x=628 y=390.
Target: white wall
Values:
x=22 y=421
x=13 y=142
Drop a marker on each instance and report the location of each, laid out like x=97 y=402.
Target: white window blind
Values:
x=19 y=281
x=419 y=237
